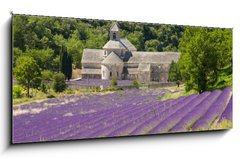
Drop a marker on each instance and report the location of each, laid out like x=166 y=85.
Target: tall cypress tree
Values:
x=64 y=60
x=69 y=67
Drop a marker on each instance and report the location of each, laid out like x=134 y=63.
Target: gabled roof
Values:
x=112 y=58
x=112 y=44
x=114 y=27
x=92 y=55
x=128 y=44
x=153 y=57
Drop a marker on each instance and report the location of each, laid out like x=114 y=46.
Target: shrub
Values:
x=17 y=92
x=69 y=91
x=113 y=83
x=134 y=83
x=59 y=84
x=50 y=96
x=43 y=88
x=47 y=75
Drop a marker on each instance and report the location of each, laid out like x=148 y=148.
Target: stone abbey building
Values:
x=120 y=59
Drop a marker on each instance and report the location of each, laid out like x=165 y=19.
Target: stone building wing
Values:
x=153 y=57
x=92 y=56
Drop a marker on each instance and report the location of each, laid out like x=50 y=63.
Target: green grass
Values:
x=224 y=124
x=181 y=92
x=38 y=96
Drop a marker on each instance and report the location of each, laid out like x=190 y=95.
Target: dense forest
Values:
x=53 y=43
x=43 y=37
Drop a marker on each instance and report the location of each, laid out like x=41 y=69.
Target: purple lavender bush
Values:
x=214 y=112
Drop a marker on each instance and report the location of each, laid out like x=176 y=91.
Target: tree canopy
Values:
x=27 y=73
x=205 y=52
x=43 y=37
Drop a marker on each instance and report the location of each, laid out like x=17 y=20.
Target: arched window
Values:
x=114 y=36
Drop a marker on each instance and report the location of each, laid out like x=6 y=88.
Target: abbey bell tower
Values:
x=114 y=33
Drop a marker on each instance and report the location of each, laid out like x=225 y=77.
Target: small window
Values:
x=117 y=74
x=114 y=36
x=110 y=74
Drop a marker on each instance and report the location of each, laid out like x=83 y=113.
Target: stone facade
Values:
x=119 y=59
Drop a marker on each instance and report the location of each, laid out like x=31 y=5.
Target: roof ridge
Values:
x=111 y=57
x=115 y=26
x=124 y=44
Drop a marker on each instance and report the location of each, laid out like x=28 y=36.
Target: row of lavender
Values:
x=121 y=113
x=98 y=82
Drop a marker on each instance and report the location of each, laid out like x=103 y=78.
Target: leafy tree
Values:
x=17 y=91
x=174 y=73
x=97 y=38
x=16 y=54
x=56 y=63
x=152 y=45
x=59 y=84
x=42 y=57
x=75 y=49
x=204 y=52
x=47 y=78
x=136 y=38
x=27 y=73
x=43 y=87
x=47 y=75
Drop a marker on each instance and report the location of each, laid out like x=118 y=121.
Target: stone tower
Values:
x=114 y=32
x=114 y=44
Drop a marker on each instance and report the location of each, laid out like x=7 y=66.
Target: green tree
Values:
x=204 y=52
x=17 y=91
x=174 y=73
x=64 y=61
x=27 y=73
x=47 y=78
x=47 y=75
x=75 y=48
x=59 y=84
x=43 y=57
x=137 y=39
x=152 y=45
x=69 y=67
x=16 y=54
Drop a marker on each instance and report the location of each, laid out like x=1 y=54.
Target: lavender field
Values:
x=119 y=113
x=99 y=82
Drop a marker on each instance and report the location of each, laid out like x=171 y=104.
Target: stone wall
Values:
x=95 y=76
x=112 y=71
